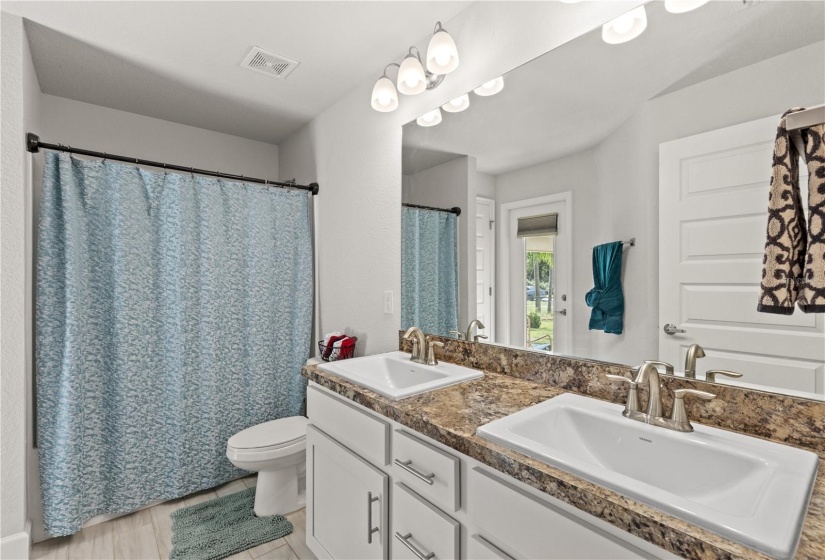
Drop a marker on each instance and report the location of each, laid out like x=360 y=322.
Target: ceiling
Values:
x=556 y=104
x=180 y=61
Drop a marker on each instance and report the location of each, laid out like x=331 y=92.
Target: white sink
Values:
x=749 y=490
x=394 y=376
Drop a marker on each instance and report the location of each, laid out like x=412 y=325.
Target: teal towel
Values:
x=606 y=297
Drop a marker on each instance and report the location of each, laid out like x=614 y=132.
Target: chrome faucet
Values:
x=693 y=353
x=469 y=335
x=647 y=373
x=650 y=375
x=458 y=335
x=419 y=343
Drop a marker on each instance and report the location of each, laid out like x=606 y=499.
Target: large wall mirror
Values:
x=645 y=163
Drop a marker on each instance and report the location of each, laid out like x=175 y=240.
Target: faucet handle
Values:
x=669 y=369
x=431 y=344
x=710 y=375
x=478 y=337
x=679 y=415
x=632 y=403
x=459 y=335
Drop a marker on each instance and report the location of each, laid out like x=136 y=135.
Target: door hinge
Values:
x=491 y=290
x=491 y=223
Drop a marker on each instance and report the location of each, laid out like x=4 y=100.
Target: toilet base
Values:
x=278 y=492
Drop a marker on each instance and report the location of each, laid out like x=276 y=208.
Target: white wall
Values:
x=94 y=127
x=20 y=114
x=354 y=153
x=615 y=185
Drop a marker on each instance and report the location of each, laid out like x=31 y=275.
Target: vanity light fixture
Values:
x=430 y=119
x=384 y=96
x=442 y=54
x=411 y=77
x=490 y=88
x=458 y=104
x=415 y=77
x=570 y=1
x=625 y=27
x=682 y=6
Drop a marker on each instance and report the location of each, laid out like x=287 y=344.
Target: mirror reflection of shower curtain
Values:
x=173 y=311
x=429 y=270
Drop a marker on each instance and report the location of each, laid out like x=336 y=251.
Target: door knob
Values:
x=671 y=329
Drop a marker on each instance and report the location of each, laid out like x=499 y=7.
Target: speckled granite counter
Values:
x=451 y=416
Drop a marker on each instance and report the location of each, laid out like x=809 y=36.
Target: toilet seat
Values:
x=270 y=440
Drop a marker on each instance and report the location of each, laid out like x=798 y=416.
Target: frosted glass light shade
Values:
x=682 y=6
x=458 y=104
x=430 y=119
x=411 y=78
x=490 y=88
x=384 y=96
x=625 y=27
x=442 y=54
x=570 y=1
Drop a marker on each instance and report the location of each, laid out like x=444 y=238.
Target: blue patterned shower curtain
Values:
x=429 y=270
x=172 y=311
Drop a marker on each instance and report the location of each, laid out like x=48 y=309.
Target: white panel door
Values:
x=485 y=265
x=713 y=203
x=347 y=509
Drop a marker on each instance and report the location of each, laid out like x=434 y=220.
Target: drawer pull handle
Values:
x=370 y=528
x=405 y=541
x=493 y=547
x=428 y=478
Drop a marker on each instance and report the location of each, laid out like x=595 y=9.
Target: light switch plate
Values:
x=388 y=303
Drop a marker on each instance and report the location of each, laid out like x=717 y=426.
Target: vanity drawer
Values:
x=426 y=469
x=420 y=528
x=360 y=431
x=525 y=526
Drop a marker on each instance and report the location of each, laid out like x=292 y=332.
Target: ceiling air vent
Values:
x=268 y=63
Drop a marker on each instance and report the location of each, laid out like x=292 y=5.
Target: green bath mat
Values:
x=222 y=527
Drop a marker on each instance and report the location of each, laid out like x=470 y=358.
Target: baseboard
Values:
x=16 y=547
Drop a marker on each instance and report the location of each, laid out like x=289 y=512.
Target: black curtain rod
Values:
x=33 y=144
x=454 y=210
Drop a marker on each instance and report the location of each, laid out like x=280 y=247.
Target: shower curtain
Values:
x=172 y=311
x=429 y=270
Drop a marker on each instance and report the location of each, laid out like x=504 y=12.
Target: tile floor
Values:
x=147 y=535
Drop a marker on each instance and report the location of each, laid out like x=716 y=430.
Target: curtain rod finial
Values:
x=32 y=142
x=314 y=187
x=456 y=210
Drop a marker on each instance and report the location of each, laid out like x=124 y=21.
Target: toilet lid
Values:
x=276 y=433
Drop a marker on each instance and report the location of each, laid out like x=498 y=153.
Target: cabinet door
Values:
x=347 y=513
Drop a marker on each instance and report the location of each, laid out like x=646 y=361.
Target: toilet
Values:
x=276 y=450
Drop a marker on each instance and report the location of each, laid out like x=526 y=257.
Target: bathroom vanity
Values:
x=417 y=466
x=377 y=489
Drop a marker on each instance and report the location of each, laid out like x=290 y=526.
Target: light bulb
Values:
x=384 y=96
x=430 y=119
x=625 y=27
x=490 y=88
x=411 y=78
x=682 y=6
x=442 y=54
x=458 y=104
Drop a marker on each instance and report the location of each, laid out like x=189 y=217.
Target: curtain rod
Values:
x=33 y=145
x=454 y=210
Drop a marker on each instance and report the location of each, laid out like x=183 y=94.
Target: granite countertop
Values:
x=452 y=414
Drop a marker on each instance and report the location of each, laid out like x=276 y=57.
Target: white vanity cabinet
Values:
x=430 y=502
x=347 y=501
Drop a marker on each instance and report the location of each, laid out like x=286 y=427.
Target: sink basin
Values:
x=749 y=490
x=394 y=376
